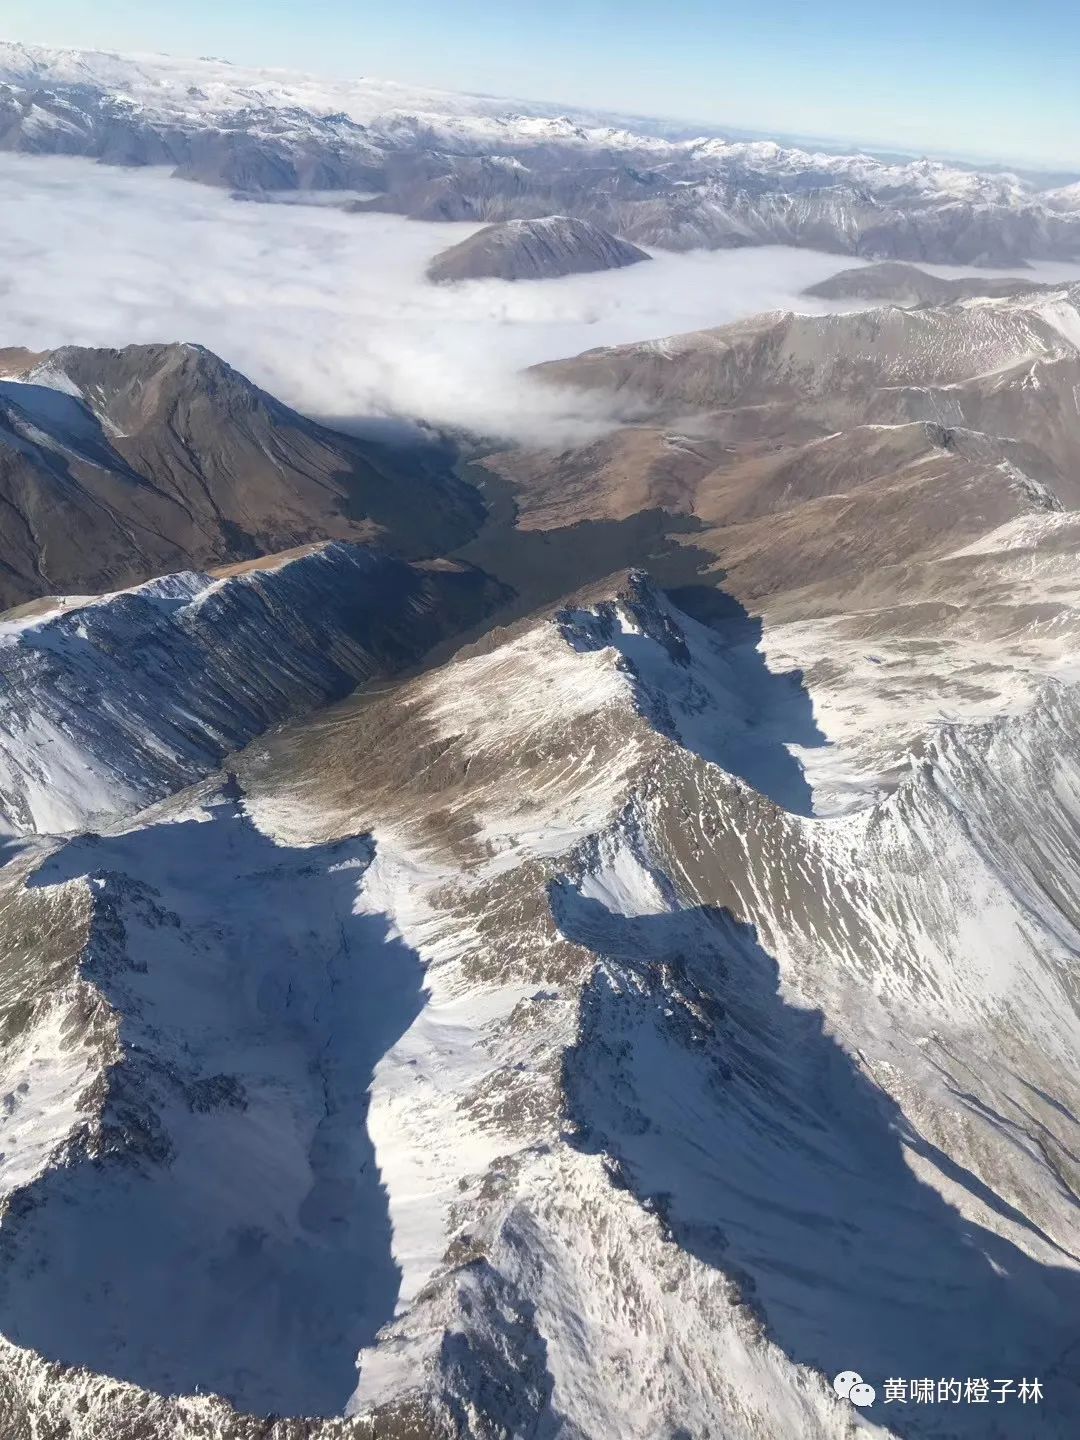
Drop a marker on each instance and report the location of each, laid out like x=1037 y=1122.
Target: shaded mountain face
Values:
x=110 y=703
x=117 y=465
x=435 y=155
x=613 y=1024
x=534 y=250
x=895 y=283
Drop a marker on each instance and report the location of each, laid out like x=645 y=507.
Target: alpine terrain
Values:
x=894 y=283
x=434 y=155
x=116 y=465
x=546 y=942
x=534 y=250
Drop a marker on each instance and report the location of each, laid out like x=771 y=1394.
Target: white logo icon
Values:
x=849 y=1385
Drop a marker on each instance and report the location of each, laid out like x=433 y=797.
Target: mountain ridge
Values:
x=437 y=156
x=174 y=459
x=581 y=948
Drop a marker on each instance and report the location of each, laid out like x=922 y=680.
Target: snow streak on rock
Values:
x=109 y=703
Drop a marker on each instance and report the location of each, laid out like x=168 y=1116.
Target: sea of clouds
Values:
x=331 y=312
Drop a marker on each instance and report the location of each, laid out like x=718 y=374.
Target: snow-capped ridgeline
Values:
x=111 y=702
x=979 y=636
x=718 y=920
x=212 y=93
x=208 y=91
x=496 y=160
x=593 y=946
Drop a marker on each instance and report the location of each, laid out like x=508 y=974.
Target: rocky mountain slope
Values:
x=779 y=357
x=1000 y=367
x=888 y=491
x=109 y=703
x=894 y=283
x=119 y=465
x=534 y=250
x=432 y=155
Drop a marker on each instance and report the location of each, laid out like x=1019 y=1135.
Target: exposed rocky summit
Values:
x=534 y=250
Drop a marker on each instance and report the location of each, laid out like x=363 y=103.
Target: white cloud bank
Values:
x=331 y=312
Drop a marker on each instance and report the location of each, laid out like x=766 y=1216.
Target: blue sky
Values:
x=995 y=78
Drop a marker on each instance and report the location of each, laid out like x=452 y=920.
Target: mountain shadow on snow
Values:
x=769 y=1155
x=230 y=1231
x=705 y=682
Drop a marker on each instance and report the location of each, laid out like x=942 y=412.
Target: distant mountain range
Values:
x=434 y=155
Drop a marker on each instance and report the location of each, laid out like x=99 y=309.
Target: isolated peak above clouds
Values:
x=332 y=312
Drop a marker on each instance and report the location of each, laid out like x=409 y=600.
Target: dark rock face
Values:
x=152 y=686
x=118 y=465
x=534 y=250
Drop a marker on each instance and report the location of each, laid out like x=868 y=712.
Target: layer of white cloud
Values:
x=330 y=311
